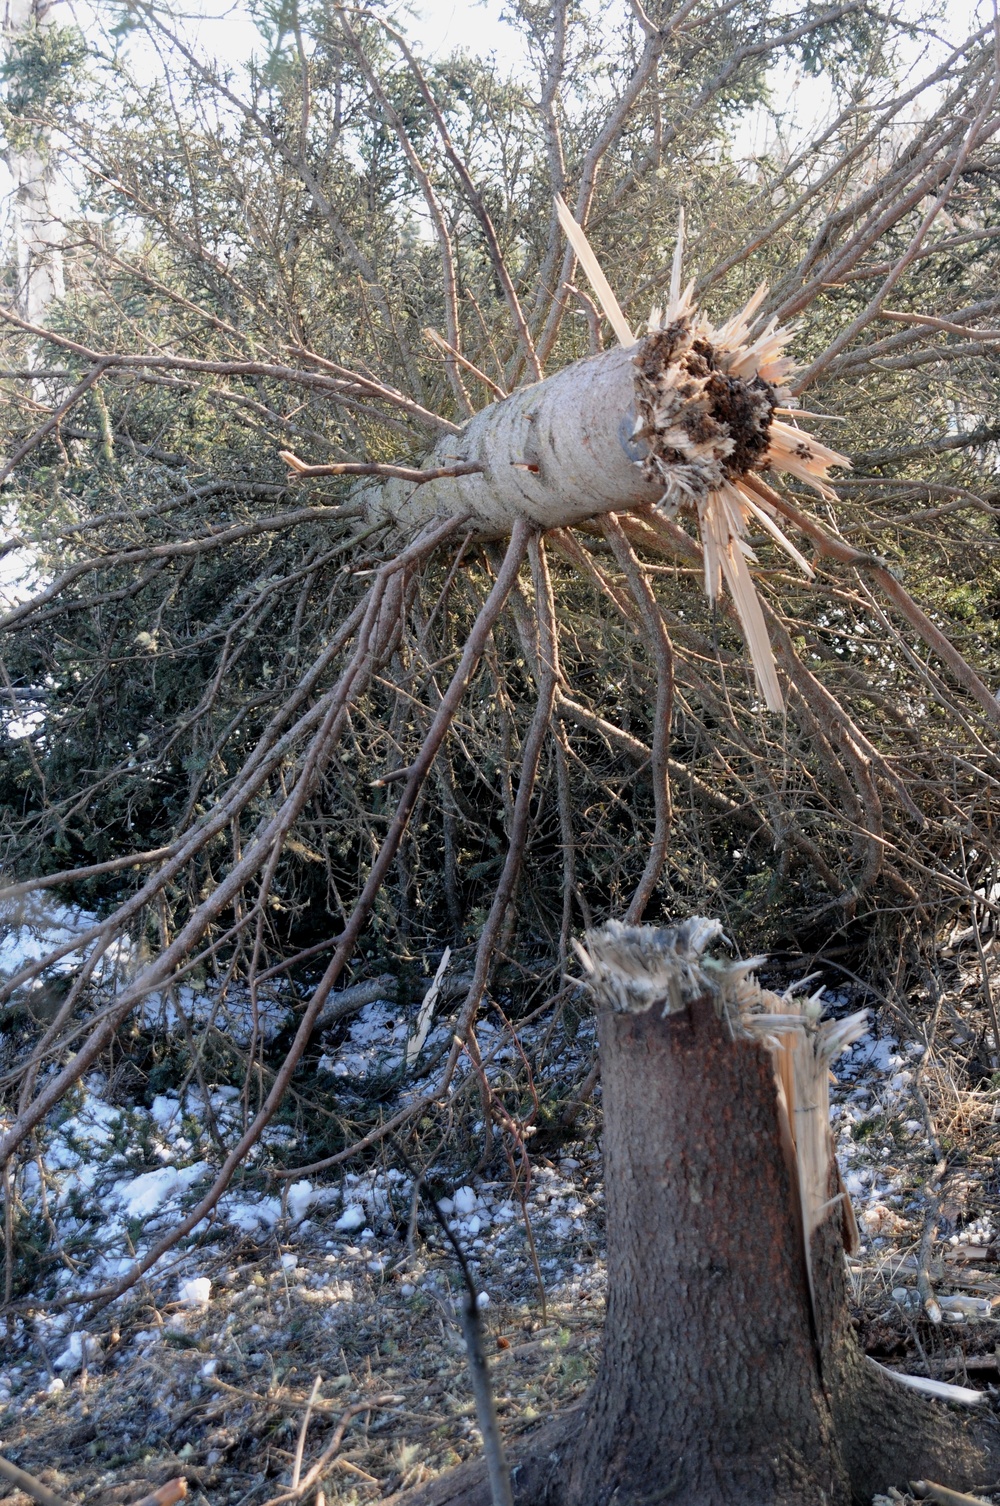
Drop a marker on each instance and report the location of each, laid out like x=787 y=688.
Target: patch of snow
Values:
x=81 y=1348
x=143 y=1195
x=229 y=1010
x=166 y=1113
x=301 y=1196
x=250 y=1217
x=195 y=1292
x=352 y=1218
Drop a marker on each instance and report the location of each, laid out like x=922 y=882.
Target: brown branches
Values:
x=928 y=321
x=346 y=382
x=378 y=616
x=373 y=468
x=167 y=1495
x=55 y=417
x=302 y=1484
x=981 y=129
x=604 y=140
x=935 y=639
x=182 y=549
x=448 y=278
x=376 y=630
x=21 y=1480
x=659 y=642
x=476 y=202
x=548 y=673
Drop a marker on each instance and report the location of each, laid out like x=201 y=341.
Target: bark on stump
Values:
x=730 y=1370
x=709 y=1386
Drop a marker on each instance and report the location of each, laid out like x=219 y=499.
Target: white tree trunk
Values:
x=554 y=453
x=37 y=189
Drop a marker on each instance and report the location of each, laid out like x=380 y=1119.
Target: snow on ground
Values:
x=36 y=924
x=229 y=1009
x=19 y=580
x=111 y=1178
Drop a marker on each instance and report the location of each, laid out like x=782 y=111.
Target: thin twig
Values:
x=303 y=1430
x=497 y=1467
x=942 y=1495
x=373 y=468
x=314 y=1473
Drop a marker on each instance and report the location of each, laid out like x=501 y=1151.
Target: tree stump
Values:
x=709 y=1384
x=730 y=1370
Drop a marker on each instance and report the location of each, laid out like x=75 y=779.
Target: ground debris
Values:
x=205 y=1369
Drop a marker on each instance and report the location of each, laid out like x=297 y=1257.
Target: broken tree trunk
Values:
x=730 y=1370
x=710 y=1385
x=680 y=419
x=555 y=453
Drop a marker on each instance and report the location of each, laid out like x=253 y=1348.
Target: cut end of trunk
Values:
x=633 y=969
x=706 y=400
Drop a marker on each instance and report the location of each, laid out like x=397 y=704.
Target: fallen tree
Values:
x=685 y=417
x=346 y=730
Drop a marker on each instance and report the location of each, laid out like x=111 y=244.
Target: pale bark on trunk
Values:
x=684 y=417
x=555 y=453
x=37 y=228
x=731 y=1371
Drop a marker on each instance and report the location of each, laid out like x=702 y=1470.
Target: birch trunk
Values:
x=37 y=187
x=554 y=453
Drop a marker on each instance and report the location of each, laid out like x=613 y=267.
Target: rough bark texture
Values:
x=721 y=1380
x=554 y=453
x=709 y=1388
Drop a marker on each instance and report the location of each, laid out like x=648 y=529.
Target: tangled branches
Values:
x=268 y=740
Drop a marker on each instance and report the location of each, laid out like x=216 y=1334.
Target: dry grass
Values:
x=151 y=1413
x=383 y=1331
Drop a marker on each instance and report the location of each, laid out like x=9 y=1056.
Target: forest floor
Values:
x=280 y=1322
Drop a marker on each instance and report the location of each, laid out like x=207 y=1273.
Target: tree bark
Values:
x=730 y=1370
x=38 y=231
x=709 y=1386
x=555 y=453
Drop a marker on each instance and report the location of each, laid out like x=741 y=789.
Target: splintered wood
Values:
x=640 y=968
x=803 y=1045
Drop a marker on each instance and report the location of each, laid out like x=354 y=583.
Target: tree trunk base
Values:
x=894 y=1437
x=537 y=1465
x=730 y=1374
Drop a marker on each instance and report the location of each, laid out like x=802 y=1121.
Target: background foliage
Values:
x=240 y=228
